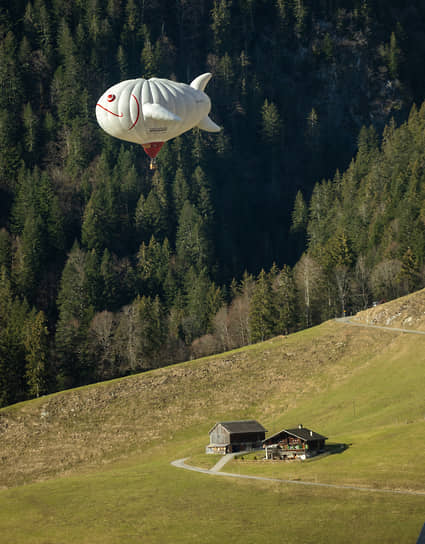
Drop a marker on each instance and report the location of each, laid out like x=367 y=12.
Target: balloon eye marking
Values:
x=110 y=97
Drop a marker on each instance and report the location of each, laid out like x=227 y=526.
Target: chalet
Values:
x=299 y=443
x=234 y=436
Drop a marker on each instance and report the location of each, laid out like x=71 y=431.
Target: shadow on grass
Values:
x=330 y=449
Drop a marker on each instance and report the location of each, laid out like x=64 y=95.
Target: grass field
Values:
x=93 y=465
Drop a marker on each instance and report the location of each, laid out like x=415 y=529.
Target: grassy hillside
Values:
x=96 y=460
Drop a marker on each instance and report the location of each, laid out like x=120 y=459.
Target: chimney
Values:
x=300 y=426
x=311 y=433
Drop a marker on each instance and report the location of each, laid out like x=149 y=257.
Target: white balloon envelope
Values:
x=151 y=111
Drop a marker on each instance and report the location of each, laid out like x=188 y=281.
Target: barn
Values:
x=299 y=443
x=234 y=436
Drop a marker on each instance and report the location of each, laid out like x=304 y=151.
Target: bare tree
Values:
x=101 y=341
x=342 y=280
x=238 y=318
x=385 y=279
x=308 y=278
x=221 y=328
x=360 y=284
x=126 y=339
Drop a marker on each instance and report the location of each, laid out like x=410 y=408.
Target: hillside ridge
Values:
x=405 y=312
x=98 y=424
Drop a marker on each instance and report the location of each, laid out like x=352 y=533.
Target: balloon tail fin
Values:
x=208 y=124
x=201 y=81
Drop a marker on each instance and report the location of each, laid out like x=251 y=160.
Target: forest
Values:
x=308 y=205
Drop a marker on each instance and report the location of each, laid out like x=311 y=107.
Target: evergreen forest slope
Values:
x=103 y=452
x=108 y=269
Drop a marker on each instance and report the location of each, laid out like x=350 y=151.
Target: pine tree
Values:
x=394 y=55
x=29 y=255
x=5 y=250
x=142 y=333
x=31 y=123
x=220 y=24
x=151 y=214
x=93 y=281
x=191 y=244
x=148 y=57
x=153 y=265
x=271 y=123
x=36 y=351
x=410 y=272
x=75 y=315
x=299 y=214
x=197 y=310
x=285 y=300
x=96 y=228
x=263 y=309
x=13 y=314
x=181 y=191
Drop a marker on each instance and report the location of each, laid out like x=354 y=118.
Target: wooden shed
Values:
x=234 y=436
x=299 y=443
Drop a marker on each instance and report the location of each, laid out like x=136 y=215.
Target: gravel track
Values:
x=181 y=463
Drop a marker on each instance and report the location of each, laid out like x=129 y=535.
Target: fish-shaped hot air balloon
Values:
x=151 y=111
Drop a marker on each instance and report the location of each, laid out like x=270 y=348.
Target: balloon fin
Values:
x=159 y=113
x=207 y=124
x=201 y=81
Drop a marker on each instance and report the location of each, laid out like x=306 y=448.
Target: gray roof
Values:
x=301 y=432
x=244 y=426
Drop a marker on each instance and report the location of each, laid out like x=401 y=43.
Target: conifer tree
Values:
x=197 y=317
x=285 y=300
x=31 y=123
x=299 y=214
x=95 y=231
x=191 y=243
x=181 y=191
x=263 y=309
x=110 y=277
x=29 y=255
x=5 y=250
x=75 y=314
x=153 y=264
x=220 y=24
x=271 y=123
x=394 y=55
x=93 y=281
x=13 y=314
x=410 y=273
x=36 y=351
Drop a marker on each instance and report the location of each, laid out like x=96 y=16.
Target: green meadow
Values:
x=92 y=465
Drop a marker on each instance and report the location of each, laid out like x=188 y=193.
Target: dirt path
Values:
x=349 y=321
x=181 y=463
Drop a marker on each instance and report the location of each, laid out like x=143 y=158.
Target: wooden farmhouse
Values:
x=299 y=443
x=234 y=436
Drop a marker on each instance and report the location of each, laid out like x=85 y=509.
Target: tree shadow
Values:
x=330 y=449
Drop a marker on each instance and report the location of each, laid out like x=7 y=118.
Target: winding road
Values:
x=216 y=469
x=349 y=321
x=181 y=463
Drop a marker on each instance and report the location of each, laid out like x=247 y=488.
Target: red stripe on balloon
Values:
x=138 y=112
x=111 y=112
